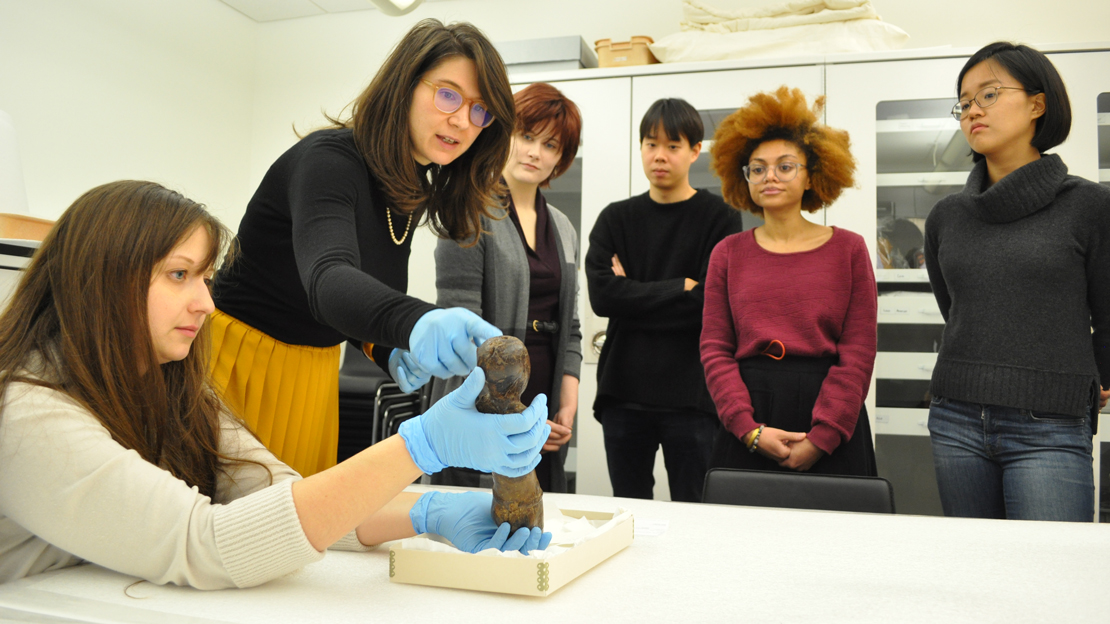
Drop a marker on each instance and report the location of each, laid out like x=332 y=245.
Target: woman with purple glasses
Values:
x=325 y=241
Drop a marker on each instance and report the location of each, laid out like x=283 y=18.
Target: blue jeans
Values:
x=1004 y=462
x=632 y=438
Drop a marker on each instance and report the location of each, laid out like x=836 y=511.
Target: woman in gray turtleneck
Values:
x=1019 y=262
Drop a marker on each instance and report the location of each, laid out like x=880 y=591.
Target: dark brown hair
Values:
x=81 y=307
x=455 y=198
x=782 y=115
x=541 y=107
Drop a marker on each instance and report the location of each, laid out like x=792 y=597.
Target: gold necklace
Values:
x=389 y=219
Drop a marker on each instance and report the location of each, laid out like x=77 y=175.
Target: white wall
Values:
x=100 y=90
x=963 y=23
x=192 y=94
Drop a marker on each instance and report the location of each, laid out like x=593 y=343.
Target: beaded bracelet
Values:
x=755 y=441
x=749 y=436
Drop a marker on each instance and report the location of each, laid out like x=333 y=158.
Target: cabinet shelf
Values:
x=901 y=421
x=1104 y=119
x=901 y=275
x=917 y=125
x=923 y=178
x=1104 y=175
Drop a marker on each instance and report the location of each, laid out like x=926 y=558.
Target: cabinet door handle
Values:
x=598 y=342
x=930 y=311
x=926 y=367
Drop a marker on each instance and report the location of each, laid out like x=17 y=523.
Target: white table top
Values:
x=711 y=563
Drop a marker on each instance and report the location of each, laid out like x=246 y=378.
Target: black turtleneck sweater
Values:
x=1021 y=270
x=316 y=264
x=651 y=358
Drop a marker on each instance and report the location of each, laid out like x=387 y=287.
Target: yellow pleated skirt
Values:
x=287 y=394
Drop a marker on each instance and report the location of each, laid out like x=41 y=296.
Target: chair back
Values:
x=15 y=255
x=797 y=490
x=24 y=227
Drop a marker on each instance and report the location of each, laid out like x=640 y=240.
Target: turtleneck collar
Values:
x=1025 y=191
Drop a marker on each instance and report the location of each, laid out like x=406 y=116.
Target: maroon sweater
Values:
x=818 y=303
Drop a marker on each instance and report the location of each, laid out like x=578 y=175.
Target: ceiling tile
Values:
x=342 y=6
x=273 y=10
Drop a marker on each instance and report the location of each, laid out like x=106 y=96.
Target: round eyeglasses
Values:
x=448 y=100
x=985 y=98
x=784 y=172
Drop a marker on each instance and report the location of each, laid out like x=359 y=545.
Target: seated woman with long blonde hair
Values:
x=115 y=449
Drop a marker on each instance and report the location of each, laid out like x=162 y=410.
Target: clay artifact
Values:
x=516 y=500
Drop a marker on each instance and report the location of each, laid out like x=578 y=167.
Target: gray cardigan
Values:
x=491 y=278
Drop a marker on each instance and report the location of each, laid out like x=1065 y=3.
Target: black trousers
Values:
x=632 y=438
x=783 y=393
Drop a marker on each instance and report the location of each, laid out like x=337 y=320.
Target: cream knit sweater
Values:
x=69 y=493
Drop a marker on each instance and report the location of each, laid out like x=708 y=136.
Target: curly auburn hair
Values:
x=782 y=115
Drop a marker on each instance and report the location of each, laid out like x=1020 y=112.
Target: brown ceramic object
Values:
x=516 y=500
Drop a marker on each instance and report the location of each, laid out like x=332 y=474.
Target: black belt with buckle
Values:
x=544 y=327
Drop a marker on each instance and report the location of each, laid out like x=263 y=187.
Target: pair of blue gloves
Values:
x=443 y=343
x=454 y=433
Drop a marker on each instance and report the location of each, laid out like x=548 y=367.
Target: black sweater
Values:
x=651 y=356
x=316 y=263
x=1021 y=271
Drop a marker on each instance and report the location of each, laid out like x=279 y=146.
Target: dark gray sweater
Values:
x=1021 y=271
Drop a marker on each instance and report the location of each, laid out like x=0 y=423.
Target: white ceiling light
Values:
x=274 y=10
x=396 y=7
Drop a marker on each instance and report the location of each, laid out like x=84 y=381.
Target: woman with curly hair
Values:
x=788 y=338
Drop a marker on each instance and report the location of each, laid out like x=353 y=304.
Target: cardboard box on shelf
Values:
x=624 y=53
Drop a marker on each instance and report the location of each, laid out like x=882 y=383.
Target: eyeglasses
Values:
x=448 y=100
x=784 y=172
x=985 y=98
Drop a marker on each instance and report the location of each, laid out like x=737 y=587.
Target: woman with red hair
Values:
x=789 y=330
x=522 y=275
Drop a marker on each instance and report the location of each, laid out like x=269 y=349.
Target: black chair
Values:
x=361 y=384
x=394 y=417
x=391 y=410
x=797 y=490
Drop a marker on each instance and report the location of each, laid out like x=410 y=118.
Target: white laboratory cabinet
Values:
x=910 y=153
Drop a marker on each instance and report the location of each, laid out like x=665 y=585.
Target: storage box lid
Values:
x=547 y=50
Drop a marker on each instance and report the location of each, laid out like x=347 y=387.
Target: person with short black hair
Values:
x=1019 y=262
x=645 y=267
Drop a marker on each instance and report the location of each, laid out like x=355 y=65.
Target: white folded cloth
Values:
x=764 y=15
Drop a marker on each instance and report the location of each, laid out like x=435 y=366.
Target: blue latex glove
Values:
x=454 y=433
x=465 y=520
x=405 y=371
x=445 y=342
